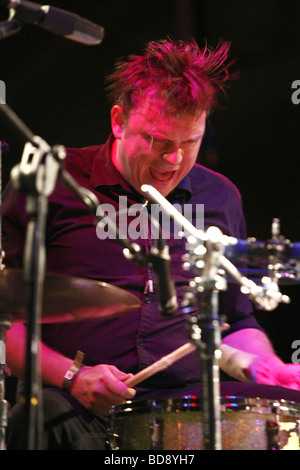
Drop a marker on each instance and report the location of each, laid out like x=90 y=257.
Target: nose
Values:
x=175 y=157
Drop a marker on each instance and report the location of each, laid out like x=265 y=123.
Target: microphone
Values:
x=57 y=21
x=167 y=298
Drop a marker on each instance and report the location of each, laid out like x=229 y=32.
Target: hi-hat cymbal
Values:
x=65 y=298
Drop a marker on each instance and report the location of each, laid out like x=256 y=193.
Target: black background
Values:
x=56 y=87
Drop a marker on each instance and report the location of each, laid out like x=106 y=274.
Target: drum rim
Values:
x=228 y=403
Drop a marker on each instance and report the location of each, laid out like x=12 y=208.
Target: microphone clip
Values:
x=204 y=260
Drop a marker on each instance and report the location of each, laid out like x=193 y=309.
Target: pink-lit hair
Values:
x=187 y=78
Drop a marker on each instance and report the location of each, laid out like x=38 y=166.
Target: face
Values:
x=154 y=147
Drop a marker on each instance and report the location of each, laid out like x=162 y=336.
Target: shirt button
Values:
x=149 y=298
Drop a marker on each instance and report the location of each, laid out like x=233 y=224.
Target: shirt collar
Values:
x=183 y=191
x=112 y=177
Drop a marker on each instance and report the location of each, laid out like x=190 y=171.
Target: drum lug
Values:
x=157 y=433
x=113 y=438
x=114 y=441
x=273 y=435
x=287 y=432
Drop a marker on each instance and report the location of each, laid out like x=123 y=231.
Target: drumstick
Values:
x=161 y=364
x=165 y=361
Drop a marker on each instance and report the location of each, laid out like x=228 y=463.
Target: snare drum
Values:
x=177 y=424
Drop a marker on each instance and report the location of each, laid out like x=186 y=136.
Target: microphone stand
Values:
x=36 y=176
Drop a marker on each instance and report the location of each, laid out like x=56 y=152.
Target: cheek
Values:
x=135 y=162
x=137 y=153
x=189 y=160
x=134 y=147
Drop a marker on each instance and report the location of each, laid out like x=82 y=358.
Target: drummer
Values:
x=161 y=102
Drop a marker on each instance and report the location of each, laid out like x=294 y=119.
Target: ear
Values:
x=117 y=120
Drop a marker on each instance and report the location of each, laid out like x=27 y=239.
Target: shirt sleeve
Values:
x=223 y=208
x=236 y=307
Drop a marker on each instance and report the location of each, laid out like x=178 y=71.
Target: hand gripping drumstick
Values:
x=161 y=364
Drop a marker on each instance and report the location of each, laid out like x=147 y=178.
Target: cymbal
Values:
x=65 y=298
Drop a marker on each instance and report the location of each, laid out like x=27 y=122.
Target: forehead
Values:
x=154 y=115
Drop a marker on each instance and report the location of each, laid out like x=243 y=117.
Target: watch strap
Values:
x=71 y=373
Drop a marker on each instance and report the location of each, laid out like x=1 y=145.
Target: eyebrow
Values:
x=195 y=138
x=158 y=136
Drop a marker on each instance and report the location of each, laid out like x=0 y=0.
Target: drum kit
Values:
x=33 y=296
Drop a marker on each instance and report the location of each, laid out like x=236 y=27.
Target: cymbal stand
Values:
x=205 y=333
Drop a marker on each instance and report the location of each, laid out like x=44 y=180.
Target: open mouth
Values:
x=161 y=175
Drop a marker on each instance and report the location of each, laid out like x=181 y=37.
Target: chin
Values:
x=164 y=191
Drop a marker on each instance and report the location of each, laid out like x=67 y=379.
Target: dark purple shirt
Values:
x=138 y=339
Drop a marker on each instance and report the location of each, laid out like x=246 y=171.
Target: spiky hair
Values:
x=188 y=78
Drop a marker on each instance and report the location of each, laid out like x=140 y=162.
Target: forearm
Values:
x=53 y=365
x=244 y=351
x=97 y=388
